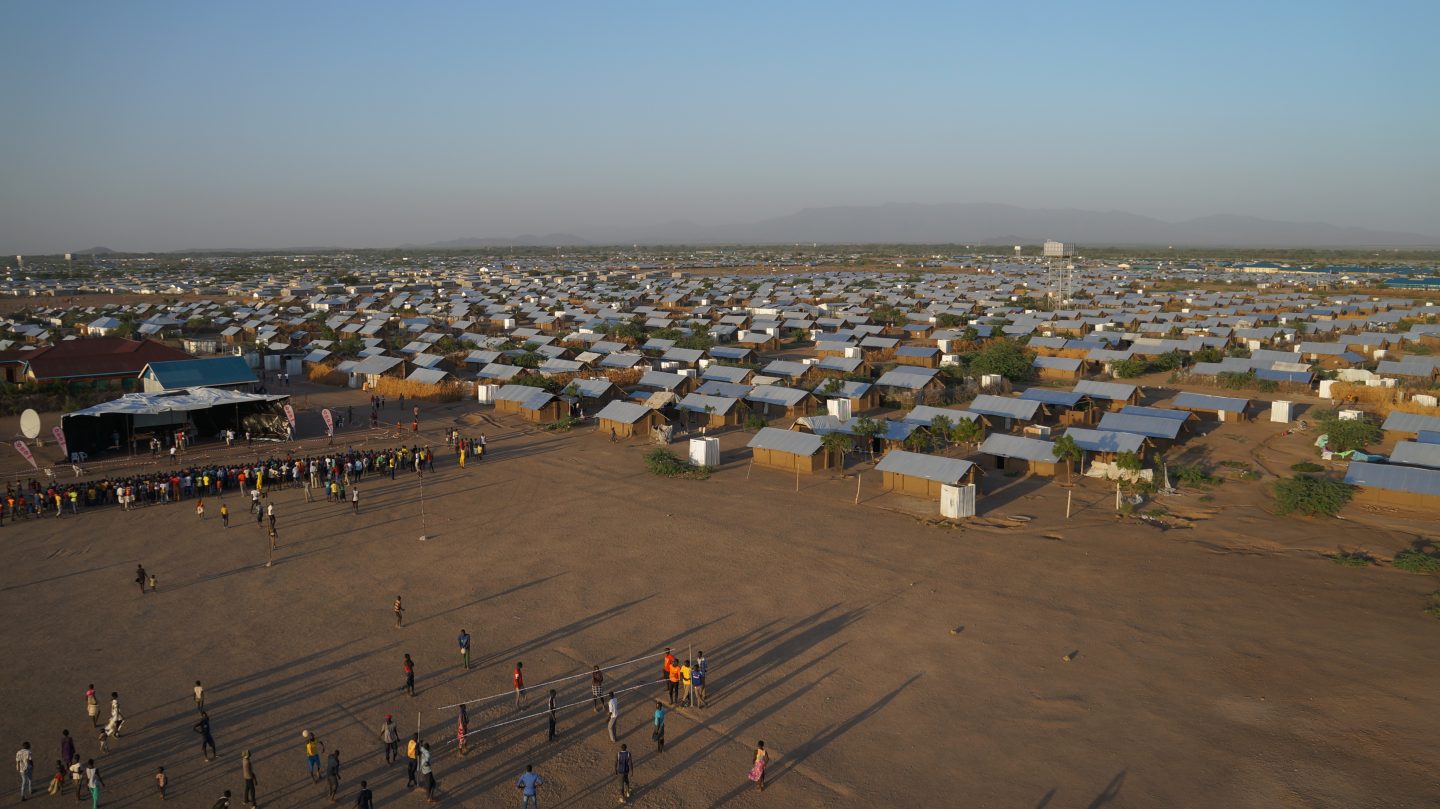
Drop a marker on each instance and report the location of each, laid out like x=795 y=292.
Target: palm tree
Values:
x=1067 y=450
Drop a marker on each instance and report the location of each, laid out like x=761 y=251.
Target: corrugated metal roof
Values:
x=1152 y=426
x=1414 y=453
x=1157 y=413
x=1428 y=436
x=199 y=373
x=1113 y=391
x=377 y=364
x=795 y=443
x=623 y=412
x=1205 y=401
x=1050 y=396
x=925 y=414
x=1058 y=363
x=988 y=404
x=725 y=373
x=907 y=376
x=774 y=394
x=662 y=380
x=1409 y=422
x=696 y=403
x=1106 y=440
x=427 y=376
x=1394 y=478
x=929 y=467
x=1018 y=446
x=715 y=387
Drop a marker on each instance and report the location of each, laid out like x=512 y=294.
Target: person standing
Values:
x=757 y=771
x=529 y=785
x=161 y=781
x=25 y=766
x=270 y=512
x=462 y=725
x=399 y=610
x=247 y=773
x=313 y=748
x=92 y=706
x=77 y=775
x=596 y=681
x=332 y=773
x=622 y=769
x=427 y=770
x=667 y=664
x=390 y=738
x=117 y=719
x=658 y=731
x=464 y=641
x=365 y=799
x=674 y=683
x=206 y=740
x=551 y=707
x=224 y=515
x=140 y=578
x=199 y=697
x=409 y=675
x=697 y=675
x=355 y=499
x=412 y=755
x=686 y=686
x=614 y=707
x=67 y=747
x=519 y=686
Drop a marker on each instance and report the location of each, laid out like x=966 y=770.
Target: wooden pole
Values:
x=1117 y=495
x=857 y=488
x=1069 y=495
x=797 y=478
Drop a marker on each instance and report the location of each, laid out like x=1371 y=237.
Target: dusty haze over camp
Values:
x=366 y=125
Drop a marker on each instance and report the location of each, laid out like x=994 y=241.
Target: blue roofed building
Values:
x=230 y=372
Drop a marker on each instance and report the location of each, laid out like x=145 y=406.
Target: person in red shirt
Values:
x=409 y=676
x=519 y=687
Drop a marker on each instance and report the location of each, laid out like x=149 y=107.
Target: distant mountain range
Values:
x=974 y=223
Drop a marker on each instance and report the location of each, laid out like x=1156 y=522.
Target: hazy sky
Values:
x=140 y=125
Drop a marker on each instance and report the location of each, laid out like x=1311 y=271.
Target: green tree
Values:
x=1005 y=357
x=1311 y=495
x=1129 y=461
x=868 y=428
x=942 y=427
x=917 y=441
x=947 y=320
x=1130 y=368
x=966 y=431
x=1347 y=434
x=837 y=444
x=1065 y=449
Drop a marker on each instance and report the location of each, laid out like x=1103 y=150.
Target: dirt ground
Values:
x=885 y=658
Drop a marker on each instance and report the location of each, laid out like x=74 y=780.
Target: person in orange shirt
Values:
x=519 y=687
x=669 y=662
x=674 y=683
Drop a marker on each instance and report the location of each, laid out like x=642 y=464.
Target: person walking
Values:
x=529 y=785
x=464 y=641
x=25 y=766
x=223 y=802
x=332 y=774
x=199 y=697
x=313 y=748
x=622 y=769
x=390 y=738
x=206 y=740
x=247 y=774
x=596 y=681
x=270 y=512
x=462 y=725
x=355 y=499
x=399 y=610
x=658 y=731
x=757 y=770
x=519 y=686
x=551 y=707
x=161 y=781
x=117 y=719
x=428 y=770
x=409 y=675
x=224 y=515
x=365 y=799
x=140 y=578
x=412 y=754
x=77 y=778
x=57 y=781
x=93 y=780
x=614 y=707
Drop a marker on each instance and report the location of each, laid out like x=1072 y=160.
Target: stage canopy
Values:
x=203 y=411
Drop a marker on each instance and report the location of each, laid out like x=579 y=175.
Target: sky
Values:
x=178 y=125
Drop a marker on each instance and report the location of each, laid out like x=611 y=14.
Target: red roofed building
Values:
x=96 y=359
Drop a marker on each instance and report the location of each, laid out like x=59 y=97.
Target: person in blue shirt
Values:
x=622 y=769
x=658 y=734
x=464 y=641
x=528 y=784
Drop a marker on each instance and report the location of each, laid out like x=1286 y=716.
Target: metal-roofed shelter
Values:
x=211 y=372
x=627 y=419
x=1392 y=485
x=1154 y=427
x=774 y=400
x=1408 y=425
x=789 y=451
x=533 y=404
x=1115 y=394
x=1414 y=453
x=922 y=475
x=1225 y=408
x=1007 y=410
x=1021 y=454
x=202 y=411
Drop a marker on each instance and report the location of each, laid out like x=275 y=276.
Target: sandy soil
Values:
x=884 y=658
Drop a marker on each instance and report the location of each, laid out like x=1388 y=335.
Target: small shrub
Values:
x=1432 y=605
x=665 y=463
x=1194 y=476
x=1351 y=558
x=1414 y=561
x=1249 y=474
x=1235 y=464
x=1313 y=496
x=1306 y=467
x=756 y=422
x=563 y=425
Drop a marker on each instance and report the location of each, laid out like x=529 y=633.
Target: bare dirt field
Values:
x=886 y=660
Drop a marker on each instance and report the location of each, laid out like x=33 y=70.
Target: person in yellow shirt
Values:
x=685 y=683
x=313 y=748
x=412 y=751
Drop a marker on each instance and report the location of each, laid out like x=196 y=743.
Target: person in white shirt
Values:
x=25 y=765
x=614 y=706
